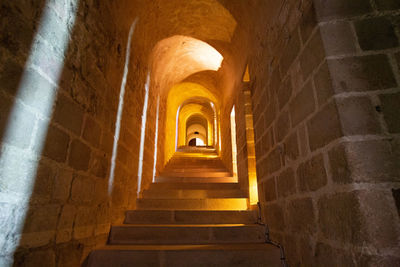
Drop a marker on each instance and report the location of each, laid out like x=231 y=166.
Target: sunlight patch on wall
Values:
x=156 y=139
x=120 y=107
x=143 y=133
x=33 y=106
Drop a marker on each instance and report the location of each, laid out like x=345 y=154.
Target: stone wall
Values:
x=60 y=81
x=325 y=91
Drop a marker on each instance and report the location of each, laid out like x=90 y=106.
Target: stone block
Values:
x=282 y=126
x=286 y=183
x=387 y=4
x=84 y=223
x=18 y=124
x=107 y=142
x=69 y=254
x=311 y=174
x=79 y=155
x=62 y=185
x=301 y=216
x=91 y=131
x=10 y=76
x=269 y=189
x=323 y=84
x=65 y=224
x=326 y=255
x=324 y=127
x=340 y=170
x=273 y=160
x=359 y=74
x=383 y=221
x=41 y=218
x=45 y=258
x=99 y=165
x=338 y=38
x=336 y=9
x=274 y=217
x=341 y=219
x=284 y=93
x=68 y=114
x=312 y=55
x=376 y=34
x=291 y=51
x=56 y=144
x=269 y=114
x=291 y=148
x=390 y=106
x=357 y=116
x=302 y=105
x=308 y=24
x=82 y=191
x=396 y=197
x=43 y=185
x=373 y=161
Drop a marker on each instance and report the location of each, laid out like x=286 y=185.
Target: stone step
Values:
x=192 y=204
x=190 y=217
x=187 y=194
x=161 y=179
x=186 y=234
x=194 y=169
x=203 y=186
x=174 y=173
x=232 y=255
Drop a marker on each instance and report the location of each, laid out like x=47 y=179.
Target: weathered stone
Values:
x=274 y=217
x=376 y=34
x=324 y=127
x=273 y=160
x=82 y=190
x=284 y=93
x=312 y=55
x=65 y=223
x=62 y=185
x=290 y=52
x=286 y=183
x=336 y=9
x=308 y=24
x=323 y=84
x=91 y=131
x=68 y=114
x=340 y=169
x=390 y=107
x=45 y=258
x=302 y=105
x=42 y=218
x=269 y=189
x=79 y=155
x=340 y=217
x=311 y=174
x=338 y=38
x=387 y=4
x=291 y=148
x=357 y=116
x=358 y=74
x=301 y=216
x=56 y=146
x=373 y=161
x=328 y=256
x=282 y=126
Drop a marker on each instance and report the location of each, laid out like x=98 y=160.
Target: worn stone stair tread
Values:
x=241 y=246
x=194 y=204
x=190 y=216
x=186 y=234
x=193 y=193
x=195 y=179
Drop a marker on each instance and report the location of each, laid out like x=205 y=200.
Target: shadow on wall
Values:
x=59 y=102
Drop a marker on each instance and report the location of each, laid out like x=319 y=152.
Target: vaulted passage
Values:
x=199 y=133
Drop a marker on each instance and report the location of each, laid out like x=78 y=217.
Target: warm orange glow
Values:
x=176 y=96
x=246 y=77
x=178 y=57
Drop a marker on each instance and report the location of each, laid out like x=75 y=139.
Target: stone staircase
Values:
x=194 y=214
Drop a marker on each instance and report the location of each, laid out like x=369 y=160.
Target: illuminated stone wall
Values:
x=325 y=85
